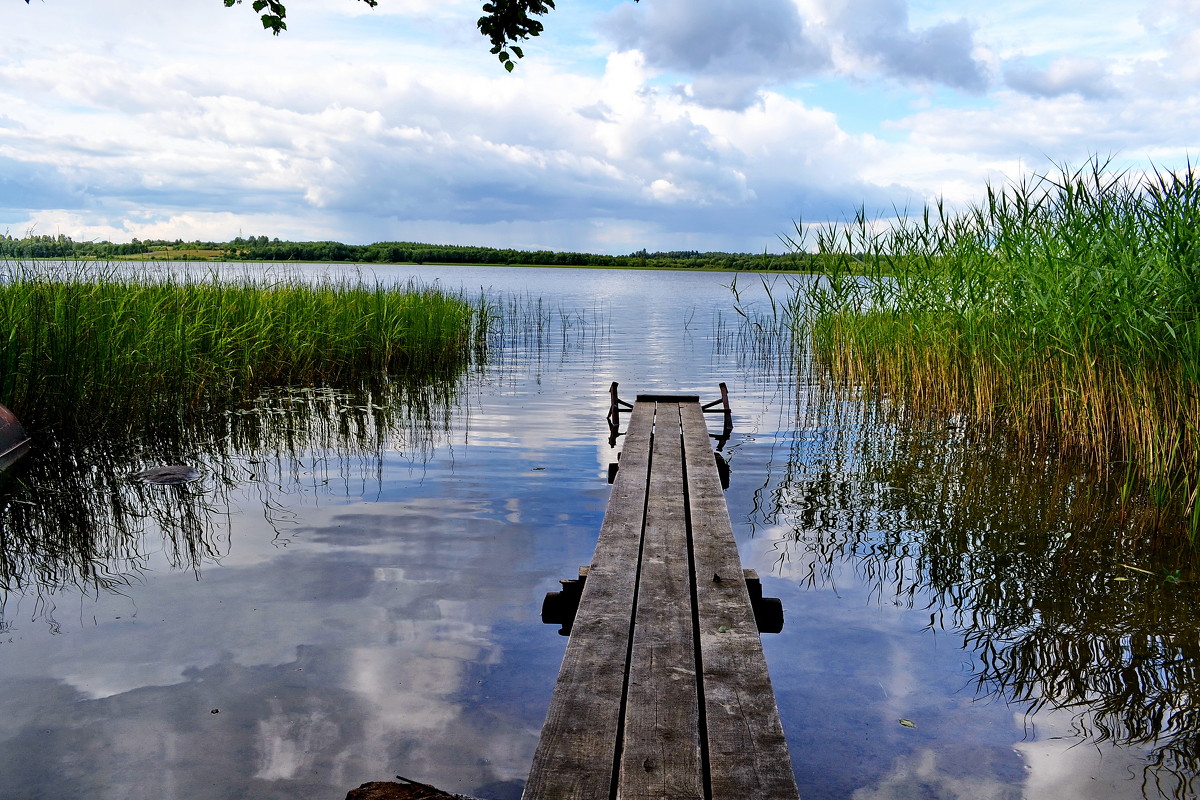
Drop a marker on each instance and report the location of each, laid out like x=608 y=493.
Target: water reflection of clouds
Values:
x=843 y=705
x=1060 y=768
x=852 y=661
x=928 y=773
x=343 y=655
x=280 y=731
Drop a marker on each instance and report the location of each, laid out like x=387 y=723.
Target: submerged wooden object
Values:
x=663 y=690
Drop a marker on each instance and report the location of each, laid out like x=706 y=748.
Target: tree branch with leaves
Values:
x=273 y=12
x=504 y=22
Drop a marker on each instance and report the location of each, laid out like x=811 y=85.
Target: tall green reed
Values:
x=1063 y=311
x=106 y=348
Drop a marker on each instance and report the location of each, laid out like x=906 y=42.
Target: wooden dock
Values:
x=663 y=690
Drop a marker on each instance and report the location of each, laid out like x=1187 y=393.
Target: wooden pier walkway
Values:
x=663 y=690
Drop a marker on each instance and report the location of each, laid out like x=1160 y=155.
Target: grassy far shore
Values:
x=1063 y=312
x=102 y=350
x=262 y=249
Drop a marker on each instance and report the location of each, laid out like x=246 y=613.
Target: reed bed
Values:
x=106 y=349
x=1063 y=312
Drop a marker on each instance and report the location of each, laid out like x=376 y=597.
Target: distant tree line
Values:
x=260 y=248
x=60 y=246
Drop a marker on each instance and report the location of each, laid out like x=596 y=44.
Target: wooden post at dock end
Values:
x=615 y=407
x=727 y=427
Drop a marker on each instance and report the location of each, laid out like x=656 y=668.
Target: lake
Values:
x=351 y=590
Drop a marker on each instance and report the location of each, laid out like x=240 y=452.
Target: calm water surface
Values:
x=351 y=597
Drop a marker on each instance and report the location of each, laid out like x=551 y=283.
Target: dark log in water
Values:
x=13 y=441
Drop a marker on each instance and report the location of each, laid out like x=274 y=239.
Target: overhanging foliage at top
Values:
x=504 y=22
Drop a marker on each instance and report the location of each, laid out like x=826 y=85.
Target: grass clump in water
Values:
x=1064 y=312
x=107 y=349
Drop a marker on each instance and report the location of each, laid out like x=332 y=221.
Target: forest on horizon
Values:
x=260 y=248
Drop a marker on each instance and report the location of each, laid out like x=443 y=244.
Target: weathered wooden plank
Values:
x=747 y=752
x=661 y=757
x=575 y=757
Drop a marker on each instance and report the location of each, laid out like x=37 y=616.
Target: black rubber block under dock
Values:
x=663 y=691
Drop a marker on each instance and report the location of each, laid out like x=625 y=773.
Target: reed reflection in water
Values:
x=73 y=517
x=1067 y=606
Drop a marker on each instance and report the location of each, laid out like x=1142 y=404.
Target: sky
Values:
x=664 y=125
